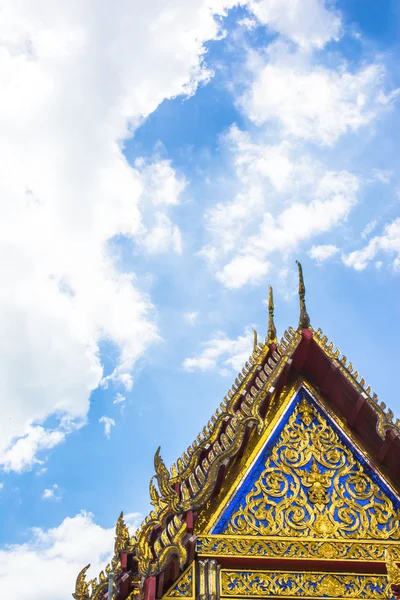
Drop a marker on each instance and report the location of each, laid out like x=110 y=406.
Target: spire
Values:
x=304 y=320
x=271 y=336
x=255 y=340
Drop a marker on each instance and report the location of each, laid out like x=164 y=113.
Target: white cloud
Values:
x=191 y=317
x=52 y=493
x=369 y=228
x=306 y=22
x=52 y=558
x=265 y=218
x=163 y=236
x=242 y=270
x=328 y=103
x=222 y=352
x=388 y=242
x=21 y=454
x=75 y=83
x=382 y=175
x=119 y=398
x=108 y=423
x=256 y=159
x=323 y=252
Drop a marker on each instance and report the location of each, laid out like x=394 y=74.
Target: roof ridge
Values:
x=385 y=415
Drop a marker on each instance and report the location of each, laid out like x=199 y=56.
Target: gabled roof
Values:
x=165 y=541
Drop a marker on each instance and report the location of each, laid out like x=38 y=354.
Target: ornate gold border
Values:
x=297 y=548
x=307 y=574
x=189 y=571
x=248 y=463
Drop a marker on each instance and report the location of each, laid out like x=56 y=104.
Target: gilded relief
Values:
x=306 y=585
x=312 y=484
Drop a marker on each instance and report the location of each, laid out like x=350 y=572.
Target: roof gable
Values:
x=306 y=477
x=165 y=544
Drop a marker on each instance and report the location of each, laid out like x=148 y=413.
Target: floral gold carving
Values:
x=312 y=485
x=307 y=585
x=326 y=549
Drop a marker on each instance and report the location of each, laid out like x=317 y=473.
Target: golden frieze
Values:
x=305 y=585
x=290 y=548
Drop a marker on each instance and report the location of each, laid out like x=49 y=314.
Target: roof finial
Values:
x=255 y=340
x=271 y=336
x=304 y=320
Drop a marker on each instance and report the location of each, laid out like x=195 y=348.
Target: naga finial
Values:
x=121 y=535
x=167 y=492
x=82 y=586
x=271 y=335
x=304 y=320
x=255 y=339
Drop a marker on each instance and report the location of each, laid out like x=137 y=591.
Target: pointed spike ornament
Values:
x=304 y=320
x=271 y=335
x=255 y=339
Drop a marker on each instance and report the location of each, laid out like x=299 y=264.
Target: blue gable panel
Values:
x=327 y=489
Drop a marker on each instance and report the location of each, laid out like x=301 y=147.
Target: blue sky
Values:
x=160 y=170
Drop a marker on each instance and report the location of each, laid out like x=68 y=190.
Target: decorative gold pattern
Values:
x=169 y=497
x=271 y=335
x=300 y=549
x=121 y=535
x=184 y=586
x=306 y=585
x=312 y=485
x=385 y=417
x=393 y=570
x=82 y=586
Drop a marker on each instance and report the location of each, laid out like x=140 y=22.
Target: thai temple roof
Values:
x=165 y=543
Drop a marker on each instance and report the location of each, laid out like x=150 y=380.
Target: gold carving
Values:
x=184 y=586
x=319 y=484
x=271 y=335
x=393 y=570
x=121 y=535
x=312 y=485
x=303 y=549
x=168 y=494
x=82 y=586
x=304 y=320
x=306 y=585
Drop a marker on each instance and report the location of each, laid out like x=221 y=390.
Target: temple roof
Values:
x=167 y=534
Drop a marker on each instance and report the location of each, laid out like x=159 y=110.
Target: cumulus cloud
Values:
x=75 y=83
x=23 y=451
x=306 y=22
x=387 y=243
x=272 y=214
x=52 y=558
x=329 y=103
x=108 y=422
x=222 y=352
x=323 y=252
